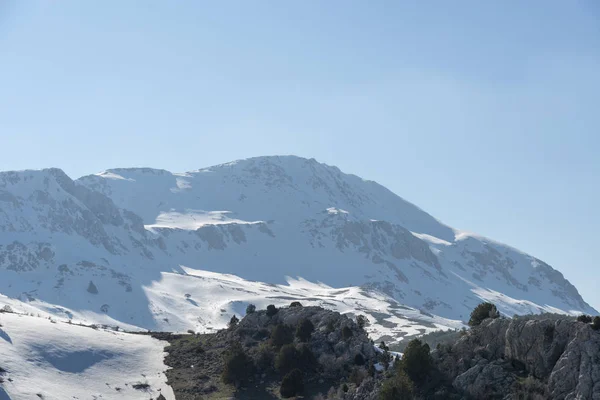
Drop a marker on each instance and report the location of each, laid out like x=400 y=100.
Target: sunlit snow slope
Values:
x=50 y=360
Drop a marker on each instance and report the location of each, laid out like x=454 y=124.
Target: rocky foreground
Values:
x=311 y=352
x=541 y=357
x=251 y=359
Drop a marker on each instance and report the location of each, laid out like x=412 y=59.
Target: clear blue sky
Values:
x=484 y=113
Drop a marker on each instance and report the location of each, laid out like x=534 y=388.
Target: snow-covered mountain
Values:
x=131 y=247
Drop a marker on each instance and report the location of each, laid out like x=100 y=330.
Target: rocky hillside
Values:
x=543 y=358
x=251 y=359
x=548 y=356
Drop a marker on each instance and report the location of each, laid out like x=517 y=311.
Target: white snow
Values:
x=333 y=210
x=111 y=175
x=207 y=302
x=194 y=219
x=63 y=361
x=431 y=239
x=204 y=301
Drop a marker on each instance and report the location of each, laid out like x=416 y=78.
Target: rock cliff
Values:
x=540 y=357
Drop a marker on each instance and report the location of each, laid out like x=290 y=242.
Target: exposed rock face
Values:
x=323 y=341
x=576 y=375
x=491 y=360
x=368 y=390
x=92 y=288
x=17 y=256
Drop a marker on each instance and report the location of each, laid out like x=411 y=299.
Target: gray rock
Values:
x=490 y=360
x=485 y=380
x=92 y=288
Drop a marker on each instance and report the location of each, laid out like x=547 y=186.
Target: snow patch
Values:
x=194 y=219
x=63 y=361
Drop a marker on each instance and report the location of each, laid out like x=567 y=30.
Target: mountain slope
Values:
x=325 y=225
x=111 y=248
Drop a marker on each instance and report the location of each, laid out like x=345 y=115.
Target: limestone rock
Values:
x=491 y=360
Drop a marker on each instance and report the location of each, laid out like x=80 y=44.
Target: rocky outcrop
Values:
x=553 y=358
x=576 y=374
x=328 y=356
x=327 y=338
x=92 y=288
x=368 y=390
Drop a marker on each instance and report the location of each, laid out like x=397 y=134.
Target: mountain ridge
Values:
x=282 y=170
x=261 y=219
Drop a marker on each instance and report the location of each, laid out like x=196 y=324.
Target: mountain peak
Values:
x=272 y=159
x=24 y=182
x=261 y=188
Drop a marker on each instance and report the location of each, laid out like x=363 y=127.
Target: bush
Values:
x=305 y=330
x=330 y=327
x=265 y=357
x=233 y=321
x=346 y=333
x=434 y=339
x=530 y=388
x=296 y=304
x=281 y=335
x=361 y=321
x=292 y=384
x=586 y=319
x=307 y=359
x=250 y=309
x=596 y=323
x=416 y=361
x=287 y=359
x=271 y=310
x=290 y=357
x=359 y=359
x=238 y=366
x=140 y=386
x=482 y=312
x=260 y=334
x=7 y=309
x=398 y=387
x=385 y=358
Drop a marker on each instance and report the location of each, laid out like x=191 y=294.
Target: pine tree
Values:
x=271 y=310
x=292 y=384
x=233 y=321
x=482 y=312
x=305 y=330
